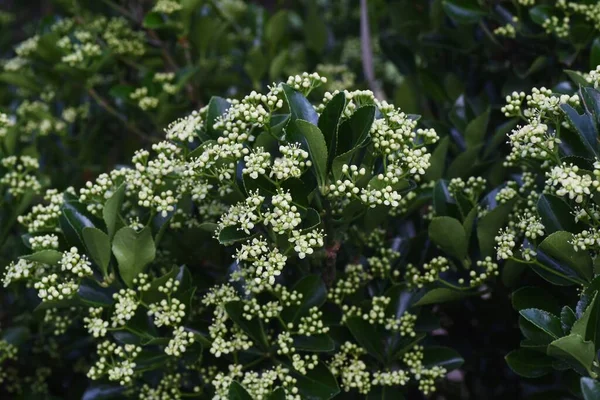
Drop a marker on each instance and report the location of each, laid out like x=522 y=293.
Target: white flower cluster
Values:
x=505 y=243
x=430 y=273
x=425 y=376
x=180 y=341
x=167 y=6
x=306 y=82
x=44 y=217
x=44 y=242
x=144 y=100
x=355 y=277
x=117 y=362
x=96 y=326
x=19 y=177
x=185 y=129
x=567 y=180
x=531 y=141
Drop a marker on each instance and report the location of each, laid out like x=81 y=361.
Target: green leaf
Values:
x=574 y=350
x=153 y=20
x=351 y=136
x=449 y=234
x=300 y=107
x=438 y=161
x=133 y=251
x=50 y=257
x=314 y=343
x=329 y=123
x=277 y=394
x=591 y=100
x=311 y=137
x=576 y=77
x=314 y=294
x=98 y=245
x=540 y=13
x=475 y=132
x=590 y=388
x=529 y=363
x=556 y=214
x=217 y=106
x=253 y=328
x=73 y=219
x=231 y=234
x=547 y=322
x=112 y=210
x=442 y=356
x=585 y=126
x=354 y=131
x=464 y=163
x=237 y=392
x=367 y=335
x=463 y=11
x=318 y=383
x=588 y=325
x=567 y=319
x=534 y=297
x=559 y=249
x=440 y=295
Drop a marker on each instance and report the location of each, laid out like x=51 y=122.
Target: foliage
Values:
x=301 y=239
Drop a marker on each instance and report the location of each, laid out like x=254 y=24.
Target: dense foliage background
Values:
x=85 y=84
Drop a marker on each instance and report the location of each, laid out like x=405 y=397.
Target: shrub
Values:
x=308 y=240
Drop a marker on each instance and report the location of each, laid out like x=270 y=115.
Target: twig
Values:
x=111 y=110
x=367 y=51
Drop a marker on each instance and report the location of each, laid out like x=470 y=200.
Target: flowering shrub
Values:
x=552 y=228
x=318 y=298
x=305 y=239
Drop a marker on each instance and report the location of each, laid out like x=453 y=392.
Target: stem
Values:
x=367 y=51
x=111 y=110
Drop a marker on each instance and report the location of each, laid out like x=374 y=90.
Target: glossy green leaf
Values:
x=314 y=343
x=556 y=214
x=133 y=251
x=329 y=123
x=558 y=247
x=442 y=356
x=463 y=11
x=318 y=383
x=300 y=107
x=314 y=294
x=544 y=320
x=253 y=328
x=440 y=295
x=449 y=234
x=50 y=257
x=475 y=132
x=112 y=210
x=238 y=392
x=311 y=137
x=217 y=106
x=575 y=350
x=534 y=297
x=529 y=363
x=98 y=245
x=586 y=128
x=232 y=234
x=368 y=336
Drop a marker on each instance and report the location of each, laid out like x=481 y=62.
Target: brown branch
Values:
x=111 y=110
x=367 y=51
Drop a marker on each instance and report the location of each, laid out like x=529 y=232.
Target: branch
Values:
x=111 y=110
x=367 y=51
